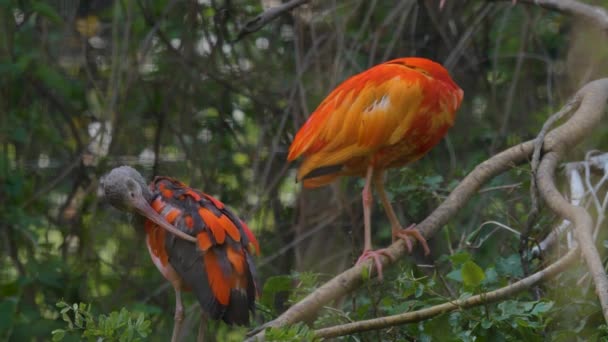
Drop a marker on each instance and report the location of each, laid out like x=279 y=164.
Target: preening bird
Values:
x=385 y=117
x=194 y=240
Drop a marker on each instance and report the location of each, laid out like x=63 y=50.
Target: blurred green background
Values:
x=166 y=87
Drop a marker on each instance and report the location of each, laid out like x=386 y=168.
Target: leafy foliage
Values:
x=166 y=87
x=294 y=333
x=121 y=326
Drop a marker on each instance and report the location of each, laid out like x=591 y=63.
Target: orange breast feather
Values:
x=389 y=115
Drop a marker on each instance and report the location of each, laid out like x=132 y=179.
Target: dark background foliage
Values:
x=166 y=86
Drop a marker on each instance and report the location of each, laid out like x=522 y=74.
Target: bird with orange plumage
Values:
x=385 y=117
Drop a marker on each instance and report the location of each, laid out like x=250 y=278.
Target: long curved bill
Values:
x=143 y=208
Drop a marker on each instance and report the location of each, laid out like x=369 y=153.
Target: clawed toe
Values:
x=411 y=231
x=375 y=255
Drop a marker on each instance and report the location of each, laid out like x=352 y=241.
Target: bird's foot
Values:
x=375 y=255
x=411 y=231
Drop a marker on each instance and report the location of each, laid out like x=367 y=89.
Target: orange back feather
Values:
x=218 y=268
x=389 y=115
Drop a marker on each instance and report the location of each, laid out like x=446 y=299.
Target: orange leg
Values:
x=368 y=253
x=397 y=230
x=179 y=313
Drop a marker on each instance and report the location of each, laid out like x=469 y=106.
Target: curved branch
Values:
x=582 y=221
x=596 y=14
x=267 y=16
x=351 y=279
x=588 y=114
x=534 y=163
x=426 y=313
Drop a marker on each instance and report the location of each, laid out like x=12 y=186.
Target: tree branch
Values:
x=596 y=14
x=581 y=220
x=426 y=313
x=253 y=25
x=587 y=116
x=534 y=164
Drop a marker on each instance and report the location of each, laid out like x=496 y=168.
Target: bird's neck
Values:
x=145 y=192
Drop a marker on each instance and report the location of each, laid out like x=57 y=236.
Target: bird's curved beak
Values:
x=142 y=207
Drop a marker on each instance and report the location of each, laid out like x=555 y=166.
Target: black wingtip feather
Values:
x=322 y=171
x=237 y=311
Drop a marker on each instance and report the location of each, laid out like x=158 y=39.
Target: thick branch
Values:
x=581 y=220
x=426 y=313
x=587 y=116
x=350 y=279
x=596 y=14
x=267 y=16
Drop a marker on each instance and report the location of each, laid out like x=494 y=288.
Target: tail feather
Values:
x=252 y=283
x=236 y=312
x=221 y=290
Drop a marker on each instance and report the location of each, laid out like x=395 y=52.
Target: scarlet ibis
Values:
x=194 y=240
x=385 y=117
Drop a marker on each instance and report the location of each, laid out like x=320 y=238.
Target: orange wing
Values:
x=219 y=269
x=373 y=111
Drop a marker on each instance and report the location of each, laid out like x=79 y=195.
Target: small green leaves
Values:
x=296 y=286
x=292 y=333
x=117 y=326
x=273 y=286
x=365 y=273
x=510 y=266
x=46 y=10
x=58 y=334
x=472 y=275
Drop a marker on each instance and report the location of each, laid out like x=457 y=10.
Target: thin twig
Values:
x=426 y=313
x=267 y=16
x=534 y=211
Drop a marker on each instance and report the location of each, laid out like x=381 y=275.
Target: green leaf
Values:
x=273 y=286
x=7 y=314
x=542 y=307
x=491 y=276
x=455 y=275
x=472 y=275
x=510 y=266
x=365 y=273
x=58 y=334
x=460 y=258
x=277 y=284
x=47 y=11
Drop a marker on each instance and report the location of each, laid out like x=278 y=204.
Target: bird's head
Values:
x=436 y=71
x=126 y=189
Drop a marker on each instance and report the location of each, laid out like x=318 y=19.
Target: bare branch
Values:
x=596 y=14
x=587 y=116
x=426 y=313
x=535 y=210
x=582 y=221
x=267 y=16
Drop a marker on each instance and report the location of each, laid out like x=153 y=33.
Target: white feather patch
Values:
x=381 y=104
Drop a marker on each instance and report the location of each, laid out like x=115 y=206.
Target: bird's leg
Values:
x=397 y=230
x=202 y=328
x=367 y=222
x=366 y=196
x=179 y=313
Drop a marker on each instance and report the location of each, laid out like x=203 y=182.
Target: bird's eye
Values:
x=132 y=195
